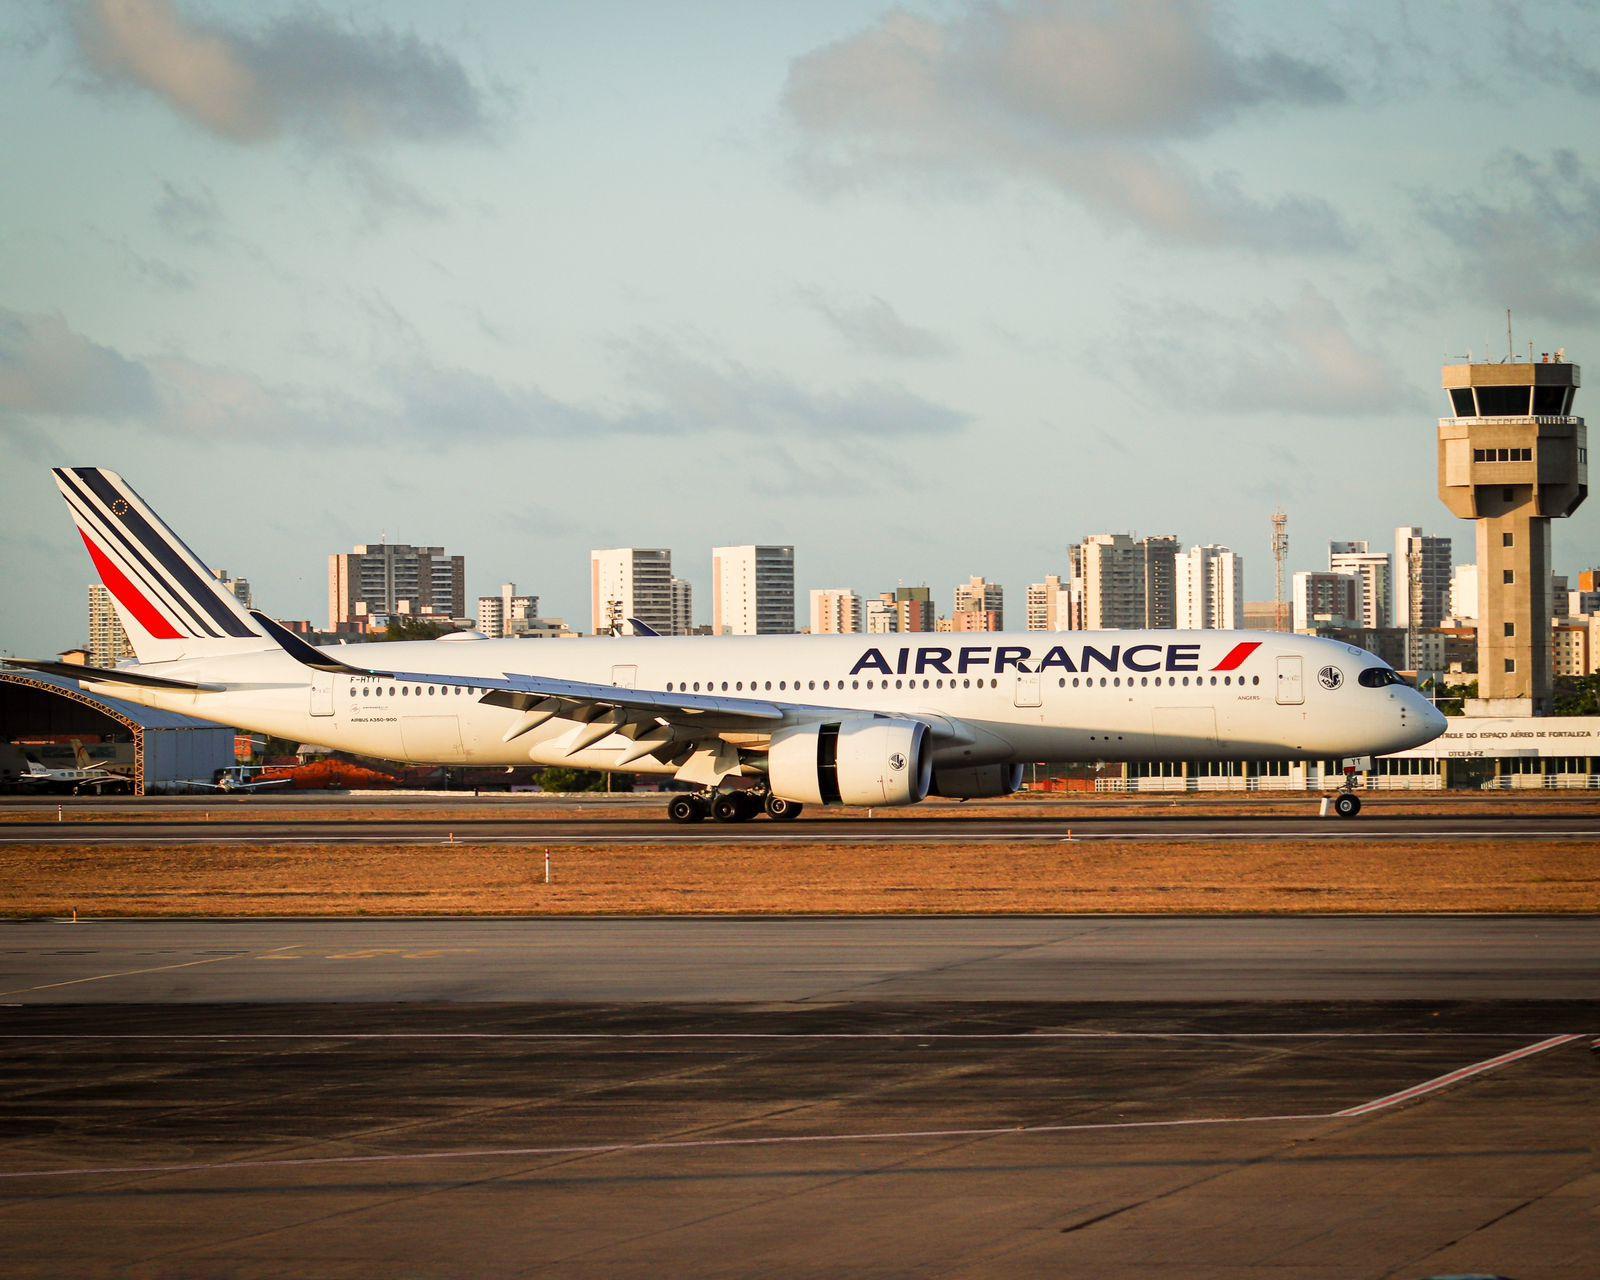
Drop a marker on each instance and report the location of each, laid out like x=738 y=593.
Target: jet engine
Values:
x=869 y=760
x=978 y=782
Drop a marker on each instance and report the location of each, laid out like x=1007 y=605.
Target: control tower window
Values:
x=1549 y=402
x=1461 y=398
x=1503 y=402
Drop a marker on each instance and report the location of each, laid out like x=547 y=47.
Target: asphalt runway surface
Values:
x=936 y=1097
x=1372 y=824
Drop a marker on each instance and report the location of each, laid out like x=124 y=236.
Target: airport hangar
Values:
x=167 y=749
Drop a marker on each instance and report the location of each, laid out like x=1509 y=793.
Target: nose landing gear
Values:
x=1347 y=805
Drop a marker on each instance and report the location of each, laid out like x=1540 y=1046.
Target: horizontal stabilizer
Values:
x=109 y=675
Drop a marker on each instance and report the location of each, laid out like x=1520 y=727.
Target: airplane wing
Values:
x=107 y=675
x=667 y=724
x=740 y=712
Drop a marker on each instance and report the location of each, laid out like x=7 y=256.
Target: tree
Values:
x=560 y=778
x=403 y=626
x=1577 y=695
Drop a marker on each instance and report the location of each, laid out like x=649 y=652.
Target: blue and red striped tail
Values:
x=170 y=604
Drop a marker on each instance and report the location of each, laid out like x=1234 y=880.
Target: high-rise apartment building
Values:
x=1325 y=599
x=1421 y=578
x=979 y=596
x=914 y=609
x=1126 y=582
x=1049 y=605
x=752 y=591
x=238 y=588
x=108 y=642
x=1210 y=589
x=1372 y=573
x=378 y=580
x=682 y=607
x=881 y=615
x=835 y=611
x=630 y=582
x=507 y=614
x=1464 y=592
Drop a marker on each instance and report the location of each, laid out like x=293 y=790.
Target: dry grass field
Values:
x=1278 y=876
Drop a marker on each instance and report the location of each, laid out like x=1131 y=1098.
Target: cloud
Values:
x=48 y=370
x=1085 y=97
x=1534 y=244
x=684 y=392
x=382 y=194
x=306 y=74
x=667 y=392
x=1300 y=357
x=876 y=326
x=192 y=216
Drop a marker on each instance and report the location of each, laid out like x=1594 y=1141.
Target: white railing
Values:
x=1543 y=782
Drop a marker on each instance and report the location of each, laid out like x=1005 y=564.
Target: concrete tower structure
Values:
x=1512 y=458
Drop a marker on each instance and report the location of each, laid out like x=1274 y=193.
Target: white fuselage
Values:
x=1002 y=697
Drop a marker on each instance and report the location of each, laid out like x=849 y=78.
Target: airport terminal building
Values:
x=1489 y=753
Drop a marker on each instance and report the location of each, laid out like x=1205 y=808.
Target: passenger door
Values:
x=1028 y=691
x=1291 y=680
x=321 y=693
x=624 y=677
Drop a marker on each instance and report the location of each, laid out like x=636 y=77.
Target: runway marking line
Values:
x=1022 y=1036
x=129 y=973
x=1145 y=837
x=490 y=1153
x=1454 y=1077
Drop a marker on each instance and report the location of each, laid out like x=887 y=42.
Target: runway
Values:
x=1372 y=824
x=1116 y=1097
x=904 y=960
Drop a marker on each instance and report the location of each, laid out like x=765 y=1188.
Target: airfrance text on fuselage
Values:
x=961 y=659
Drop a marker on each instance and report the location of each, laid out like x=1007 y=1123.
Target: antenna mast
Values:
x=1280 y=557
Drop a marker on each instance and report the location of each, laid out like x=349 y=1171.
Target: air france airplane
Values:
x=760 y=723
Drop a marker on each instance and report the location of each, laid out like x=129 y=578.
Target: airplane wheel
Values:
x=781 y=810
x=732 y=806
x=1347 y=805
x=686 y=809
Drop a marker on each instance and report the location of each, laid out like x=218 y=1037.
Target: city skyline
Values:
x=428 y=277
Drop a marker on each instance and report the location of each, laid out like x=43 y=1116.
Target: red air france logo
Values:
x=1237 y=655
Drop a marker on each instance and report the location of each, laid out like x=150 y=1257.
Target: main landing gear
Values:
x=731 y=806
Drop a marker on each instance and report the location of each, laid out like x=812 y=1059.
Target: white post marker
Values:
x=547 y=866
x=1324 y=812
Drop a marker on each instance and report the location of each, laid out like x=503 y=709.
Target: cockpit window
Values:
x=1377 y=677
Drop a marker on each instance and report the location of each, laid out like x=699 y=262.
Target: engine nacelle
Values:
x=978 y=782
x=868 y=760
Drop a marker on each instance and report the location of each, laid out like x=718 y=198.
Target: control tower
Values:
x=1512 y=458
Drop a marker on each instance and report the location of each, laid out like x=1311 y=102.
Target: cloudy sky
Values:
x=927 y=291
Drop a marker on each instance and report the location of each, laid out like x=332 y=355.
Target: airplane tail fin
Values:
x=169 y=603
x=80 y=755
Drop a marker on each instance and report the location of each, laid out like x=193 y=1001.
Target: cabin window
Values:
x=855 y=684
